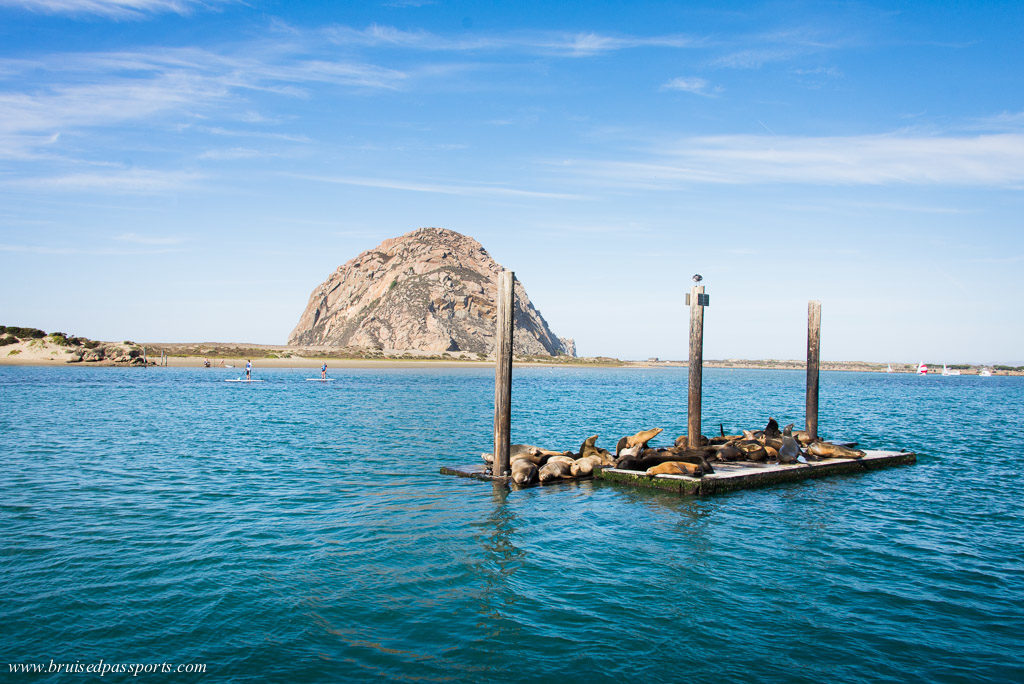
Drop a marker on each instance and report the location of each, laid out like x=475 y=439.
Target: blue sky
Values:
x=180 y=171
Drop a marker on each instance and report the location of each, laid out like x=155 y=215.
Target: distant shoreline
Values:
x=51 y=351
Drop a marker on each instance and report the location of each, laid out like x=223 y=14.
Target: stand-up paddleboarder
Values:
x=248 y=369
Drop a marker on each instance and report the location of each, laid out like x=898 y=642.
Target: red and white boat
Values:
x=922 y=369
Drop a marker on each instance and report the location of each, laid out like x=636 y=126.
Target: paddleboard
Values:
x=319 y=379
x=242 y=380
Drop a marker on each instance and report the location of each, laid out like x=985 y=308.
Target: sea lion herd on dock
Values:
x=530 y=464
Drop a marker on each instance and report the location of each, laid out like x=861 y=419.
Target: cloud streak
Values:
x=113 y=9
x=132 y=181
x=992 y=160
x=565 y=44
x=441 y=188
x=693 y=85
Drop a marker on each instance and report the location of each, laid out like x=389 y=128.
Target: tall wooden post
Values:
x=503 y=373
x=813 y=357
x=697 y=301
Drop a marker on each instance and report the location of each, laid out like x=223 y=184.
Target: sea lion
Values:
x=561 y=458
x=642 y=438
x=803 y=437
x=772 y=429
x=653 y=457
x=582 y=467
x=622 y=452
x=679 y=468
x=556 y=470
x=829 y=450
x=752 y=450
x=524 y=471
x=773 y=453
x=683 y=440
x=515 y=451
x=753 y=436
x=790 y=451
x=729 y=452
x=589 y=447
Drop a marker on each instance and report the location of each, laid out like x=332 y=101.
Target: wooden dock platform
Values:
x=735 y=476
x=726 y=478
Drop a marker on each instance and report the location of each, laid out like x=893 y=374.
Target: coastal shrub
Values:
x=90 y=344
x=13 y=352
x=60 y=339
x=22 y=333
x=6 y=339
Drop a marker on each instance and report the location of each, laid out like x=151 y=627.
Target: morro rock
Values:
x=431 y=290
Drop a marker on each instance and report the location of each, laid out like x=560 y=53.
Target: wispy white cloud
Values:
x=757 y=50
x=50 y=250
x=65 y=92
x=131 y=181
x=115 y=9
x=568 y=44
x=152 y=240
x=995 y=160
x=694 y=85
x=441 y=188
x=234 y=153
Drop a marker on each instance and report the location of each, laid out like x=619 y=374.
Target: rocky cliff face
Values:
x=431 y=290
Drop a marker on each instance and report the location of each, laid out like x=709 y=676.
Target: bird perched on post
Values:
x=697 y=277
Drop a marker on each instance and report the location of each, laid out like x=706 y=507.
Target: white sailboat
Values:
x=888 y=368
x=946 y=371
x=985 y=373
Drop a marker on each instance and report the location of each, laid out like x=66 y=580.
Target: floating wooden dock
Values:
x=730 y=477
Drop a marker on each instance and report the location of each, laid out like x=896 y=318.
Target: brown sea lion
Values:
x=582 y=467
x=682 y=441
x=561 y=458
x=772 y=429
x=556 y=470
x=829 y=450
x=679 y=468
x=549 y=452
x=634 y=444
x=729 y=452
x=523 y=471
x=773 y=453
x=590 y=448
x=753 y=436
x=752 y=450
x=649 y=458
x=803 y=437
x=515 y=451
x=622 y=452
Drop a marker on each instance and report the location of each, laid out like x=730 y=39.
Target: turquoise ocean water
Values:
x=300 y=531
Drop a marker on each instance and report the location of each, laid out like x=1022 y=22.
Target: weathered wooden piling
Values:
x=813 y=357
x=503 y=373
x=697 y=301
